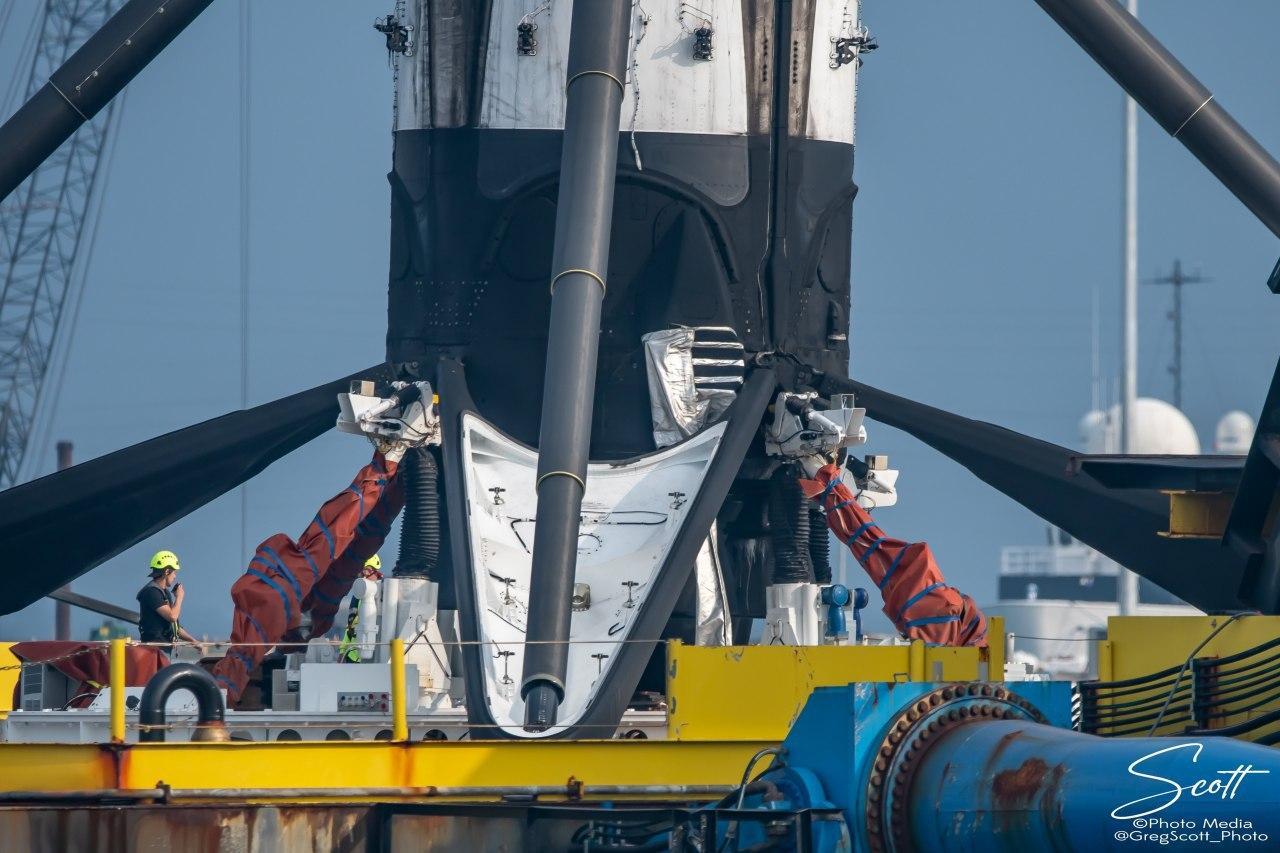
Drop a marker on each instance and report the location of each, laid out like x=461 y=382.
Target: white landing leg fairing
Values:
x=631 y=514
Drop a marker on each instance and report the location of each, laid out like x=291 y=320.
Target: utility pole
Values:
x=1128 y=581
x=1176 y=280
x=61 y=609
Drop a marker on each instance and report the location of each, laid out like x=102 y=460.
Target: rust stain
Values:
x=1015 y=789
x=1001 y=747
x=1052 y=805
x=114 y=761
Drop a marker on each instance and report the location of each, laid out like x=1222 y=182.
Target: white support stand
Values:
x=792 y=617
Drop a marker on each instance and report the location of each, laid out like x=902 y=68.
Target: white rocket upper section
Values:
x=833 y=92
x=675 y=92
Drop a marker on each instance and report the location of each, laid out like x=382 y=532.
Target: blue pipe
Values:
x=1018 y=785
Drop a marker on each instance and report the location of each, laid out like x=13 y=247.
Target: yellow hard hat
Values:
x=373 y=563
x=164 y=560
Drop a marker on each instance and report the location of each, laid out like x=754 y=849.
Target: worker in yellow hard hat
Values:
x=349 y=649
x=160 y=603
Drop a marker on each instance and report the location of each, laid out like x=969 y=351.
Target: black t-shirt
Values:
x=152 y=627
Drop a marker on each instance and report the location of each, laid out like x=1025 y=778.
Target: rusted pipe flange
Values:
x=908 y=738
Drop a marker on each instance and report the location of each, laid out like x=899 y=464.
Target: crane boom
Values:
x=42 y=226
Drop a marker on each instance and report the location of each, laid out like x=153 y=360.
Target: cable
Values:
x=1186 y=664
x=5 y=13
x=26 y=56
x=92 y=220
x=527 y=17
x=779 y=753
x=644 y=18
x=246 y=44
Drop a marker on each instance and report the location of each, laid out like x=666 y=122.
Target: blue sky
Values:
x=989 y=161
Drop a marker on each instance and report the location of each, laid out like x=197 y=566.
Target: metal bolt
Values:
x=631 y=588
x=497 y=495
x=506 y=659
x=600 y=657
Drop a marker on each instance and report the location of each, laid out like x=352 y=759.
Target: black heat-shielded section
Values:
x=1174 y=473
x=693 y=243
x=619 y=685
x=1252 y=532
x=58 y=527
x=1123 y=524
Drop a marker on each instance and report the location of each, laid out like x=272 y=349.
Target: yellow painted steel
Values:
x=1198 y=515
x=10 y=672
x=371 y=764
x=997 y=648
x=117 y=682
x=399 y=720
x=56 y=767
x=1140 y=645
x=755 y=692
x=915 y=660
x=1106 y=672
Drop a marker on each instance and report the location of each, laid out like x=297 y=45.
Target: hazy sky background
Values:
x=989 y=161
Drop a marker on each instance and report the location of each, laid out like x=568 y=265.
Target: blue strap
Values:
x=853 y=537
x=256 y=626
x=893 y=567
x=973 y=622
x=361 y=496
x=284 y=599
x=248 y=661
x=933 y=620
x=843 y=504
x=324 y=528
x=315 y=570
x=326 y=599
x=919 y=595
x=370 y=525
x=871 y=549
x=227 y=681
x=284 y=570
x=822 y=496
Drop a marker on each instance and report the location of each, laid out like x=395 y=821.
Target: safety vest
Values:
x=348 y=649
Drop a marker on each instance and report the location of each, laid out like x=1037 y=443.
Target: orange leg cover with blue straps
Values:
x=271 y=595
x=916 y=596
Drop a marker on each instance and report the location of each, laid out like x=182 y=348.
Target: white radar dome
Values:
x=1234 y=433
x=1158 y=429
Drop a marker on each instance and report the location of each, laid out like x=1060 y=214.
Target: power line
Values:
x=246 y=45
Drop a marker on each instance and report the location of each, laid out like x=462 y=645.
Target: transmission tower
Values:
x=41 y=229
x=1177 y=280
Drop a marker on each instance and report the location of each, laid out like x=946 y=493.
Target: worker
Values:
x=160 y=603
x=916 y=597
x=363 y=595
x=286 y=578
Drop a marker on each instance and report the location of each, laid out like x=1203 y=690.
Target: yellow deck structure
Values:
x=725 y=704
x=1137 y=646
x=756 y=692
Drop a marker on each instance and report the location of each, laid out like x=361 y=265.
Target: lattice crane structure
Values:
x=42 y=231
